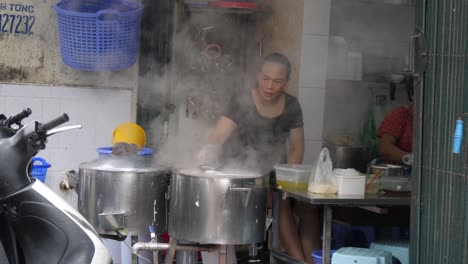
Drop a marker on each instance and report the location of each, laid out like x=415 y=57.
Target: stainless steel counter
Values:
x=347 y=200
x=327 y=200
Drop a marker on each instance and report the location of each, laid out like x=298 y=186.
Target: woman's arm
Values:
x=389 y=150
x=222 y=131
x=296 y=145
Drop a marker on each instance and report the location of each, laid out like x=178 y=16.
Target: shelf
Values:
x=203 y=8
x=390 y=2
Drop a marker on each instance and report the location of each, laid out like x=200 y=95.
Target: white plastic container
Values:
x=395 y=184
x=293 y=177
x=351 y=185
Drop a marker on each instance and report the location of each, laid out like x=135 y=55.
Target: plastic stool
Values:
x=398 y=248
x=354 y=255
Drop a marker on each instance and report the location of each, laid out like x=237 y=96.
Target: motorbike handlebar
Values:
x=44 y=127
x=17 y=118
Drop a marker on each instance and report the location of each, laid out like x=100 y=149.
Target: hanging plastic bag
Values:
x=322 y=179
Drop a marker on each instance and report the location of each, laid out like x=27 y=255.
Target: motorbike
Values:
x=36 y=225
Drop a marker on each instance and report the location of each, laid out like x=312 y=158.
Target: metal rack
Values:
x=327 y=201
x=391 y=2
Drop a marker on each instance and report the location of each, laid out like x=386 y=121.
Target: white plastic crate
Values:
x=354 y=255
x=398 y=248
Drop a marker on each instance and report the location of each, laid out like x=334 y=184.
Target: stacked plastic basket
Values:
x=99 y=35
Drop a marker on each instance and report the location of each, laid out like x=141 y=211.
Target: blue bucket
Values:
x=104 y=151
x=39 y=171
x=317 y=254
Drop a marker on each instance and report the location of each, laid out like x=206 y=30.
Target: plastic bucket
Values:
x=39 y=171
x=317 y=254
x=104 y=151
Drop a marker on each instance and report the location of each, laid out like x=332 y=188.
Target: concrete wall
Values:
x=281 y=31
x=33 y=75
x=34 y=57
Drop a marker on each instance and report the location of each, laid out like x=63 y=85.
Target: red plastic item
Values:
x=232 y=4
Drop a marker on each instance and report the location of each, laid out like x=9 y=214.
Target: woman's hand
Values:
x=209 y=154
x=389 y=149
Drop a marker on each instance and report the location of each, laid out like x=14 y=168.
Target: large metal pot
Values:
x=123 y=194
x=387 y=169
x=345 y=157
x=217 y=207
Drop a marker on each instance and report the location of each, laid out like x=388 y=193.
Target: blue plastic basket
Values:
x=90 y=6
x=39 y=171
x=317 y=254
x=104 y=151
x=102 y=37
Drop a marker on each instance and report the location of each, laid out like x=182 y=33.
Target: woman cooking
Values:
x=261 y=128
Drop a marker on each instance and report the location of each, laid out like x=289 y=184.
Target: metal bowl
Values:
x=387 y=169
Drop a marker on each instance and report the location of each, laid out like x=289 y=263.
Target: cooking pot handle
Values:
x=168 y=193
x=242 y=189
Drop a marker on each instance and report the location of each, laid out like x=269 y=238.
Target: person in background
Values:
x=262 y=128
x=396 y=135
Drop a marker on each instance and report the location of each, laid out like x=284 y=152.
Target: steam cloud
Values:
x=204 y=82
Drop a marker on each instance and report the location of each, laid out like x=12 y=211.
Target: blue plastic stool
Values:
x=354 y=255
x=317 y=255
x=398 y=248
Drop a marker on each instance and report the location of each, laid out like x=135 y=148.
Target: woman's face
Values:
x=272 y=80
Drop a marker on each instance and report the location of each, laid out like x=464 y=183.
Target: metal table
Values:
x=327 y=201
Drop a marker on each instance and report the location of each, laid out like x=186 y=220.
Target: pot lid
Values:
x=122 y=163
x=231 y=173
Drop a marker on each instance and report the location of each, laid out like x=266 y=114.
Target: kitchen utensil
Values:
x=387 y=169
x=293 y=176
x=372 y=186
x=125 y=193
x=345 y=157
x=217 y=206
x=395 y=184
x=350 y=182
x=375 y=177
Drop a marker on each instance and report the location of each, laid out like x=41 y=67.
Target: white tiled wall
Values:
x=312 y=101
x=380 y=33
x=314 y=56
x=316 y=17
x=313 y=73
x=98 y=110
